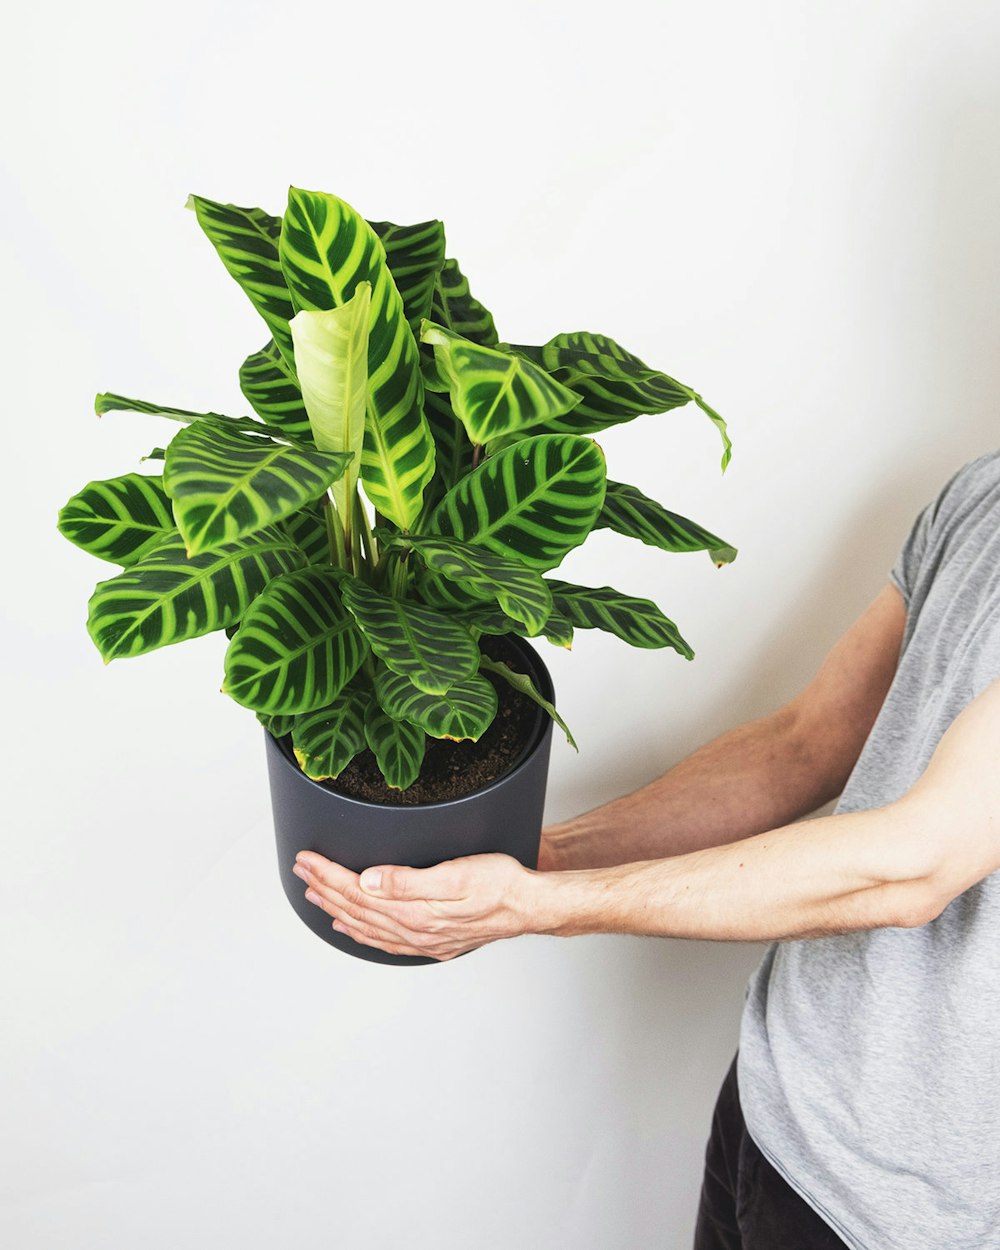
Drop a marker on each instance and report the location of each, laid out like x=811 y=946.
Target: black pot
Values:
x=504 y=816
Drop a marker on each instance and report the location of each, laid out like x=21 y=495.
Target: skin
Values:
x=717 y=847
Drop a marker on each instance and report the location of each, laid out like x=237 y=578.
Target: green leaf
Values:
x=522 y=593
x=523 y=683
x=276 y=726
x=269 y=384
x=108 y=402
x=327 y=249
x=465 y=711
x=120 y=519
x=431 y=650
x=325 y=741
x=454 y=306
x=224 y=485
x=493 y=393
x=331 y=355
x=297 y=646
x=397 y=745
x=532 y=502
x=615 y=385
x=246 y=240
x=638 y=622
x=415 y=255
x=168 y=598
x=628 y=511
x=557 y=629
x=307 y=529
x=454 y=451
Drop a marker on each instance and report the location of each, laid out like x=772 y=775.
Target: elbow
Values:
x=918 y=905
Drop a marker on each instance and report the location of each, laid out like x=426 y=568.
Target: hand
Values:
x=439 y=912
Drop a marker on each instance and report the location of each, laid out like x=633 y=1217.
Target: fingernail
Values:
x=300 y=871
x=313 y=897
x=371 y=880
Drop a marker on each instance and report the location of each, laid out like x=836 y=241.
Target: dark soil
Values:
x=453 y=769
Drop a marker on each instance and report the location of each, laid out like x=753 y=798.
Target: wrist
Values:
x=563 y=904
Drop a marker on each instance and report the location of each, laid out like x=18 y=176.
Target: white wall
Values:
x=793 y=207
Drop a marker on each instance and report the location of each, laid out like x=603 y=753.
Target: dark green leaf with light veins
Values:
x=532 y=502
x=431 y=650
x=224 y=485
x=557 y=628
x=415 y=255
x=307 y=528
x=616 y=386
x=276 y=726
x=465 y=711
x=297 y=645
x=246 y=240
x=638 y=622
x=326 y=250
x=168 y=598
x=455 y=307
x=494 y=393
x=109 y=402
x=120 y=519
x=325 y=741
x=454 y=448
x=269 y=384
x=521 y=593
x=628 y=511
x=523 y=683
x=397 y=745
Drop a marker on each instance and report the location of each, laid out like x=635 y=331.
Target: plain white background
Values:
x=791 y=207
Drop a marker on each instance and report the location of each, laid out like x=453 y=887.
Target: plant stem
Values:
x=334 y=533
x=361 y=527
x=477 y=452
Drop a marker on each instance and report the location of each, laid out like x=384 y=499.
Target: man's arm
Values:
x=764 y=774
x=899 y=865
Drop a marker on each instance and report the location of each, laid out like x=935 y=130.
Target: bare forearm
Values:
x=836 y=874
x=758 y=776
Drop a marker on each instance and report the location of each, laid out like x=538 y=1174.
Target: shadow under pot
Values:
x=502 y=815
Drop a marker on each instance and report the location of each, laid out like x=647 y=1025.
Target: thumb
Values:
x=408 y=883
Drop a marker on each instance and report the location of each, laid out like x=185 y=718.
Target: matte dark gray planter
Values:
x=505 y=816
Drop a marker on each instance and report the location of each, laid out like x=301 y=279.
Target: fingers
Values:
x=444 y=882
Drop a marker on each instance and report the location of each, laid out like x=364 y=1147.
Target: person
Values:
x=863 y=1108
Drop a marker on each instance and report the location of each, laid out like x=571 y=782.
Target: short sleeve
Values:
x=903 y=573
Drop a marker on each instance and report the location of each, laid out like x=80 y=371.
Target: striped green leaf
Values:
x=326 y=250
x=224 y=485
x=481 y=620
x=493 y=393
x=628 y=511
x=325 y=741
x=269 y=385
x=297 y=645
x=638 y=622
x=276 y=726
x=307 y=529
x=431 y=650
x=415 y=255
x=109 y=402
x=466 y=711
x=331 y=355
x=455 y=307
x=454 y=450
x=120 y=519
x=521 y=593
x=246 y=240
x=615 y=385
x=532 y=502
x=397 y=745
x=523 y=683
x=168 y=598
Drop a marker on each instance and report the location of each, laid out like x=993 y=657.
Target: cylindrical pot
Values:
x=505 y=816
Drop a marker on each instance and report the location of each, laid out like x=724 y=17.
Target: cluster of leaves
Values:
x=350 y=628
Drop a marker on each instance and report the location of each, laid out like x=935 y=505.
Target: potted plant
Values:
x=382 y=643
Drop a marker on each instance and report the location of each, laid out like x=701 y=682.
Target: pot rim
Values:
x=543 y=728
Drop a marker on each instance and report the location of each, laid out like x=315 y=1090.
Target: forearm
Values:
x=758 y=776
x=836 y=874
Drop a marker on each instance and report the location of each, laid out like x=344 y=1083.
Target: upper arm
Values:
x=835 y=713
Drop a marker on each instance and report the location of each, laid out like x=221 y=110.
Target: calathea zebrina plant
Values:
x=355 y=623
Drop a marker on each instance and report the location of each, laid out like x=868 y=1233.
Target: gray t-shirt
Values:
x=869 y=1065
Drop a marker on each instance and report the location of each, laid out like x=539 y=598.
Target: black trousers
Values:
x=745 y=1203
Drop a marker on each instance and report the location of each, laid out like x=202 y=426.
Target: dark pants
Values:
x=745 y=1204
